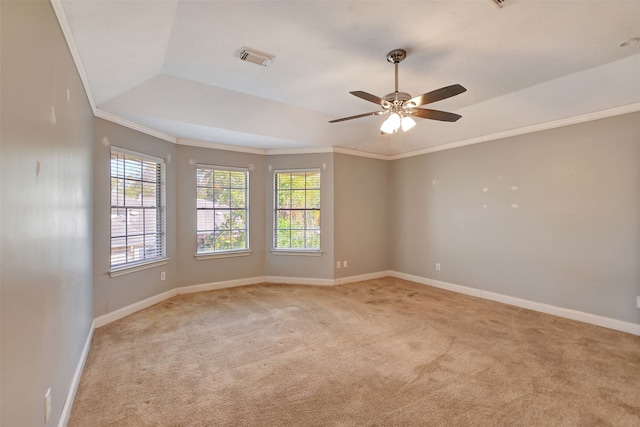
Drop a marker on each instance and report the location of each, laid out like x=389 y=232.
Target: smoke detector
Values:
x=254 y=56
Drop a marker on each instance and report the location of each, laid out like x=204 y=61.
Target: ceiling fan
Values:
x=401 y=106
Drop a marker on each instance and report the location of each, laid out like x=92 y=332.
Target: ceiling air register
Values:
x=254 y=56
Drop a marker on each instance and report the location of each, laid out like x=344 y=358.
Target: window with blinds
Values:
x=297 y=210
x=137 y=208
x=222 y=220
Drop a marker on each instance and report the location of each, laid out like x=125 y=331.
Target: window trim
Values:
x=294 y=251
x=225 y=253
x=132 y=267
x=297 y=252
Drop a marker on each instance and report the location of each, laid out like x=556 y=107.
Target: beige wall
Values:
x=361 y=215
x=46 y=221
x=112 y=293
x=298 y=265
x=573 y=240
x=196 y=272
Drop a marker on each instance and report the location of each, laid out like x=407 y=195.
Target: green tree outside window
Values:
x=221 y=211
x=297 y=210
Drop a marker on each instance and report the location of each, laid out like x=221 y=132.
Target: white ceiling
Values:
x=170 y=66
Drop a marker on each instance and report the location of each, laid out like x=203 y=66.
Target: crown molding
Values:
x=596 y=115
x=350 y=152
x=280 y=151
x=133 y=125
x=218 y=146
x=305 y=150
x=58 y=9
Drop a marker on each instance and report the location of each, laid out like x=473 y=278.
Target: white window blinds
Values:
x=137 y=208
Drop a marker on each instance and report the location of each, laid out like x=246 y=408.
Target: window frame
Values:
x=223 y=253
x=309 y=251
x=160 y=213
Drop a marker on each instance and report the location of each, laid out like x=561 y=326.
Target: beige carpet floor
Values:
x=383 y=352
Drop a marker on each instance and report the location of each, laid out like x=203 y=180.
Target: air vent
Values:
x=254 y=56
x=503 y=3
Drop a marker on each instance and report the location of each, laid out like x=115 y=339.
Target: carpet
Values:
x=381 y=352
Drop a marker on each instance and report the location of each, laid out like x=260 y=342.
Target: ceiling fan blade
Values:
x=375 y=113
x=437 y=95
x=434 y=114
x=368 y=97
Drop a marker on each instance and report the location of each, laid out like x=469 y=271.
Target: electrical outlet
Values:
x=338 y=264
x=344 y=263
x=437 y=266
x=47 y=405
x=163 y=276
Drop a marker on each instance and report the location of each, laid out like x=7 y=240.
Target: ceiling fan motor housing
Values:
x=396 y=100
x=397 y=96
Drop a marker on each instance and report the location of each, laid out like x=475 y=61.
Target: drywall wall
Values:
x=203 y=271
x=46 y=224
x=550 y=217
x=112 y=293
x=301 y=266
x=361 y=211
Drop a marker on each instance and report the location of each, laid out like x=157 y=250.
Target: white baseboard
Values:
x=326 y=282
x=140 y=305
x=130 y=309
x=457 y=288
x=581 y=316
x=567 y=313
x=300 y=281
x=75 y=381
x=220 y=285
x=361 y=277
x=410 y=277
x=594 y=319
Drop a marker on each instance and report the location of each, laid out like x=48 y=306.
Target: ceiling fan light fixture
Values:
x=392 y=124
x=407 y=123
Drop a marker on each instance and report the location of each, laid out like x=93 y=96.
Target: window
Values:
x=297 y=210
x=137 y=208
x=221 y=211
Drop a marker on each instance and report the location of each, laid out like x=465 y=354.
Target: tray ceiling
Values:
x=171 y=66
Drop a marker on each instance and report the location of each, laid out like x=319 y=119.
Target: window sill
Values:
x=296 y=252
x=127 y=269
x=229 y=254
